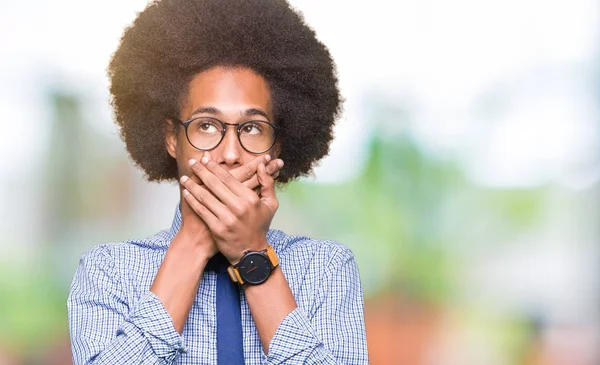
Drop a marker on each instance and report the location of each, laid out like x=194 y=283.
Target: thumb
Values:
x=267 y=190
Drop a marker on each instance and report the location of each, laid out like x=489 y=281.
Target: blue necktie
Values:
x=230 y=349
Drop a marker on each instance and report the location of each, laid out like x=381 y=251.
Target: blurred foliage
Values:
x=408 y=216
x=34 y=316
x=389 y=216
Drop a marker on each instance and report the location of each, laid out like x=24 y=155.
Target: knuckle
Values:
x=229 y=222
x=253 y=200
x=272 y=168
x=200 y=206
x=238 y=210
x=219 y=230
x=198 y=193
x=248 y=205
x=247 y=172
x=211 y=180
x=196 y=169
x=195 y=202
x=195 y=206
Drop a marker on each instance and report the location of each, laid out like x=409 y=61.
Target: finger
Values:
x=273 y=169
x=252 y=183
x=204 y=197
x=226 y=178
x=248 y=170
x=204 y=213
x=267 y=188
x=213 y=183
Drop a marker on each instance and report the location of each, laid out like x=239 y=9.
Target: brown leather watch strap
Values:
x=272 y=256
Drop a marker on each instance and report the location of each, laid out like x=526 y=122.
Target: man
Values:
x=216 y=95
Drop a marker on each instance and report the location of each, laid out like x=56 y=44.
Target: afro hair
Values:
x=173 y=40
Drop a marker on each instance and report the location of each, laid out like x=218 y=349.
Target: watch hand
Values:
x=249 y=271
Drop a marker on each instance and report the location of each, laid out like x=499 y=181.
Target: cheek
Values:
x=247 y=157
x=185 y=152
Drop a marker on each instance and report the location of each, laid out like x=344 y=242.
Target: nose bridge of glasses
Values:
x=236 y=126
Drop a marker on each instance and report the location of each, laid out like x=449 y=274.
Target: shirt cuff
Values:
x=294 y=337
x=151 y=317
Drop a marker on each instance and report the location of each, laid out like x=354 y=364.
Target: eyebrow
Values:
x=212 y=110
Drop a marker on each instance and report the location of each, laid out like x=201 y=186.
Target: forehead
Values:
x=230 y=90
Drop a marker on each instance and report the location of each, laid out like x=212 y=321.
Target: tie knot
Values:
x=218 y=263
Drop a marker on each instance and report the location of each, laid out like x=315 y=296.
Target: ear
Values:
x=171 y=138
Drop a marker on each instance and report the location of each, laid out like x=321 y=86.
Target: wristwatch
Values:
x=254 y=267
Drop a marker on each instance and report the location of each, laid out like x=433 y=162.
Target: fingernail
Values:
x=268 y=158
x=184 y=179
x=185 y=192
x=280 y=163
x=191 y=162
x=204 y=160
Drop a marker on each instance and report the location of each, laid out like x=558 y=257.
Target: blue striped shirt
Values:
x=115 y=319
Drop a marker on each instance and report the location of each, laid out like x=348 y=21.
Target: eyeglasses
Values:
x=206 y=133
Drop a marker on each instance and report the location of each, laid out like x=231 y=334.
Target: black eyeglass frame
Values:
x=239 y=126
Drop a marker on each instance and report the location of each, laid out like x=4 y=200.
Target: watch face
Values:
x=254 y=268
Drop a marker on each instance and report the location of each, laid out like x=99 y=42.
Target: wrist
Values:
x=194 y=231
x=199 y=246
x=255 y=246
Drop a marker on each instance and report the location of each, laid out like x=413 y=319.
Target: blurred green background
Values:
x=465 y=174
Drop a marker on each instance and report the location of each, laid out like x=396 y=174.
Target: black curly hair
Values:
x=173 y=40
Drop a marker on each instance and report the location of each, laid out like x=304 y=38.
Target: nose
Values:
x=230 y=148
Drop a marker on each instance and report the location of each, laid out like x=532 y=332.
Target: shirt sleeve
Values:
x=104 y=328
x=335 y=333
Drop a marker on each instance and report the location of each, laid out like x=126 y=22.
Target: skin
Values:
x=221 y=210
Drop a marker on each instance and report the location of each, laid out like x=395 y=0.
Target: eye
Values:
x=251 y=128
x=206 y=126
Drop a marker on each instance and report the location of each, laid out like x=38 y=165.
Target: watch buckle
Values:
x=234 y=274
